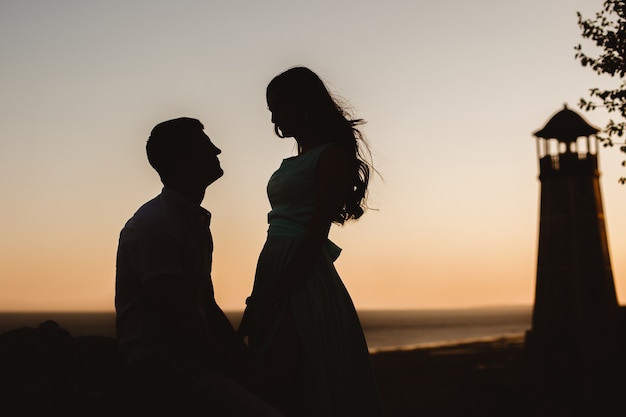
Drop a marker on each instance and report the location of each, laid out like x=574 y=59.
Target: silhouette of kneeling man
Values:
x=182 y=350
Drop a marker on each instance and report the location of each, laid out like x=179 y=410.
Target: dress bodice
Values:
x=291 y=190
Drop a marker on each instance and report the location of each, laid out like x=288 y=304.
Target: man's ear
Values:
x=180 y=164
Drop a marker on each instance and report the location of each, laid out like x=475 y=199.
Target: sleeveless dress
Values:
x=317 y=330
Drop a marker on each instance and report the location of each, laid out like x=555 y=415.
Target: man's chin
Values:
x=218 y=174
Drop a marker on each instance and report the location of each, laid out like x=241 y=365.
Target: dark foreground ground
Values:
x=46 y=372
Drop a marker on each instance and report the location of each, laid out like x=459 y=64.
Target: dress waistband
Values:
x=293 y=230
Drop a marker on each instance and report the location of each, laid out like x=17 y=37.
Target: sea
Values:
x=384 y=330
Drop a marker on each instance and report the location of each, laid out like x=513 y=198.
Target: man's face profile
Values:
x=200 y=162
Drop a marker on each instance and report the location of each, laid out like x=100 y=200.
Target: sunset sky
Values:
x=452 y=92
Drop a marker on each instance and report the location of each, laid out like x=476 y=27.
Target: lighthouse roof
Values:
x=566 y=126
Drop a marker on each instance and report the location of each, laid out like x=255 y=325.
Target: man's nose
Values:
x=215 y=149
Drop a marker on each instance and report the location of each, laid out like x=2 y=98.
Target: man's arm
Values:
x=203 y=333
x=171 y=298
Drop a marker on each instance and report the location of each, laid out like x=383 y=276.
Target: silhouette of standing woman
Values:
x=304 y=335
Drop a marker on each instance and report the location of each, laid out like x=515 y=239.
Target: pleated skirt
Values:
x=309 y=352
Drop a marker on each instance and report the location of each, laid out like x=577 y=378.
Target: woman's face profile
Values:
x=285 y=114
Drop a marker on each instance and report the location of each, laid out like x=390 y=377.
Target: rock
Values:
x=44 y=371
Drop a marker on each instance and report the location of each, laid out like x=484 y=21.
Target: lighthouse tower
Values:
x=575 y=313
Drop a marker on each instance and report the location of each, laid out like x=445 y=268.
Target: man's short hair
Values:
x=167 y=140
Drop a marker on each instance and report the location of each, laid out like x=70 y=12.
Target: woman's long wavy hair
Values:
x=329 y=118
